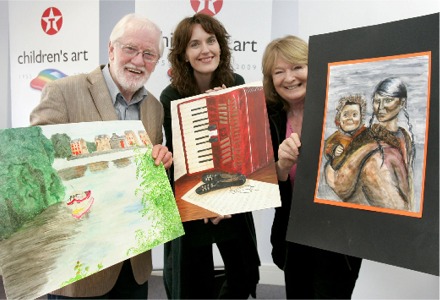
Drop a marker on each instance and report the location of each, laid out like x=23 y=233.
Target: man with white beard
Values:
x=114 y=91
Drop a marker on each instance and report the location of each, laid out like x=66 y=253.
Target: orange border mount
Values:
x=366 y=207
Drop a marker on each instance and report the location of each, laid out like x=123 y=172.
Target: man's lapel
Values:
x=101 y=96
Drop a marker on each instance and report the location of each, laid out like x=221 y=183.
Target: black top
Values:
x=277 y=121
x=239 y=227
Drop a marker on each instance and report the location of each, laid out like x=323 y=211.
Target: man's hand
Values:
x=161 y=154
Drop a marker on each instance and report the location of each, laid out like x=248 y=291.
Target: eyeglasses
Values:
x=132 y=51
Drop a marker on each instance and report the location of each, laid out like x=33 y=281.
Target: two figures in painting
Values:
x=372 y=165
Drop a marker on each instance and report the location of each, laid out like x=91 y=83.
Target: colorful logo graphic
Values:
x=208 y=7
x=46 y=76
x=51 y=20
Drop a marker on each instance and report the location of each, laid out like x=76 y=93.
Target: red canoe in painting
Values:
x=80 y=203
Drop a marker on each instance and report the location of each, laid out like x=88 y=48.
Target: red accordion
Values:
x=226 y=132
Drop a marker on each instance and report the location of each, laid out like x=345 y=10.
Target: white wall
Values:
x=323 y=16
x=5 y=118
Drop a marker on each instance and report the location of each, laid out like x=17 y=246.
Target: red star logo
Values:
x=51 y=20
x=208 y=7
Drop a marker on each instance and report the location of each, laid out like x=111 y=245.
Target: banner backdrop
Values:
x=48 y=42
x=247 y=22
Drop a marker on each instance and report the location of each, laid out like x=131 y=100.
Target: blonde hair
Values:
x=290 y=48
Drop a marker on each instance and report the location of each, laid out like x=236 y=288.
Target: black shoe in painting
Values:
x=219 y=176
x=221 y=183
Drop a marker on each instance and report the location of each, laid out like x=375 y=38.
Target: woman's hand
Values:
x=217 y=219
x=288 y=153
x=216 y=89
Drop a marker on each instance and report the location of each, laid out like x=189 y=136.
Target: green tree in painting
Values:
x=91 y=147
x=61 y=145
x=158 y=204
x=81 y=272
x=28 y=182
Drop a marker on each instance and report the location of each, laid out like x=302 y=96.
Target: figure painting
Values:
x=224 y=162
x=76 y=199
x=374 y=138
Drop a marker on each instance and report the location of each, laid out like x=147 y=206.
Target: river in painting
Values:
x=41 y=256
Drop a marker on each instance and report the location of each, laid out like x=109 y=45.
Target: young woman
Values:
x=309 y=272
x=200 y=61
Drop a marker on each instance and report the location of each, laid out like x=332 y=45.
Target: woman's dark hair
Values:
x=182 y=75
x=391 y=86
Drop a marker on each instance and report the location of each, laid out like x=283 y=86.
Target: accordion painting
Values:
x=223 y=157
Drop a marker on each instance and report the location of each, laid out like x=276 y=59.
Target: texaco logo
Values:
x=51 y=20
x=208 y=7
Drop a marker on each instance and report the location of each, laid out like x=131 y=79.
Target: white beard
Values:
x=130 y=85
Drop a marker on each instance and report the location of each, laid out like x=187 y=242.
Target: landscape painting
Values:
x=223 y=155
x=78 y=198
x=375 y=134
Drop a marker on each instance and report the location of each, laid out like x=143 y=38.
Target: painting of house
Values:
x=131 y=138
x=144 y=137
x=78 y=147
x=117 y=141
x=102 y=142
